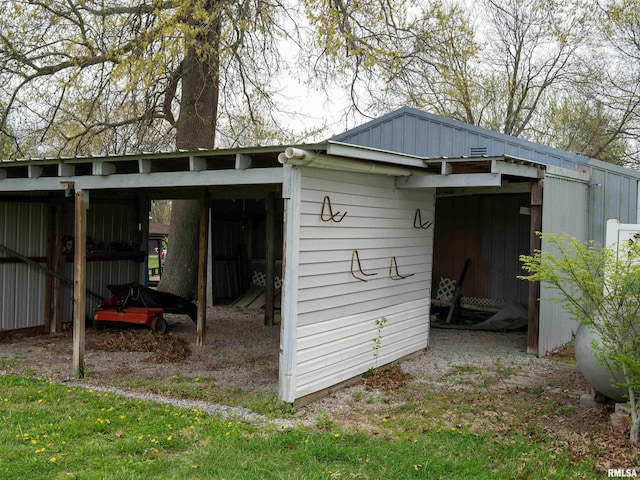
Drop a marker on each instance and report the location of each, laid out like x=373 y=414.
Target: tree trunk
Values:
x=181 y=264
x=195 y=129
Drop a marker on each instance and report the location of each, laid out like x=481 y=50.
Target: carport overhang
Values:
x=262 y=170
x=199 y=175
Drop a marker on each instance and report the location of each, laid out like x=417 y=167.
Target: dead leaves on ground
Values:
x=164 y=348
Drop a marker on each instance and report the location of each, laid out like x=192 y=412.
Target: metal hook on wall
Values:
x=330 y=216
x=417 y=221
x=357 y=257
x=394 y=265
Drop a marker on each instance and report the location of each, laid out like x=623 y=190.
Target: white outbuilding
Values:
x=350 y=234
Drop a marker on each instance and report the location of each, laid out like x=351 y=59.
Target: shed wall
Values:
x=23 y=228
x=336 y=312
x=562 y=211
x=491 y=232
x=612 y=195
x=113 y=228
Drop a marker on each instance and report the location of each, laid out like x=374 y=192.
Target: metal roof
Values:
x=424 y=134
x=172 y=169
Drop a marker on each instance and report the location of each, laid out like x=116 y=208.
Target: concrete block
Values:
x=588 y=401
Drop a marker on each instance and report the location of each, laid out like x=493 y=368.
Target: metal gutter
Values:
x=372 y=154
x=300 y=157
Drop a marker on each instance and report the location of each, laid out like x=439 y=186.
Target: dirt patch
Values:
x=565 y=353
x=239 y=352
x=164 y=348
x=389 y=379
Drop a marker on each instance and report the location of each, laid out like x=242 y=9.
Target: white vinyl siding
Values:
x=336 y=313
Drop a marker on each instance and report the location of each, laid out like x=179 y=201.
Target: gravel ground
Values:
x=455 y=360
x=242 y=353
x=466 y=353
x=225 y=411
x=466 y=348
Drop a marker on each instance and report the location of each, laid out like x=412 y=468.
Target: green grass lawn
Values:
x=52 y=431
x=153 y=260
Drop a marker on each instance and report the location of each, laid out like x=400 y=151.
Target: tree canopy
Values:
x=82 y=77
x=94 y=76
x=91 y=76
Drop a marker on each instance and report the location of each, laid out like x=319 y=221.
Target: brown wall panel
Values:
x=491 y=231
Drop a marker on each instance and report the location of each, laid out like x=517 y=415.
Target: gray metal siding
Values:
x=562 y=211
x=23 y=228
x=415 y=132
x=108 y=224
x=99 y=275
x=612 y=195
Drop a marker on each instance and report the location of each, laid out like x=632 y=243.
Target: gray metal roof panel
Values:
x=454 y=138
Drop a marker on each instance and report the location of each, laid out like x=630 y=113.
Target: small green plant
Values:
x=324 y=423
x=377 y=341
x=7 y=362
x=567 y=410
x=599 y=288
x=505 y=370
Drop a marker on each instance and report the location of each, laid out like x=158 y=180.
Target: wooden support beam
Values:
x=210 y=262
x=79 y=280
x=506 y=168
x=48 y=289
x=270 y=260
x=144 y=207
x=453 y=180
x=505 y=188
x=534 y=287
x=203 y=231
x=54 y=263
x=205 y=178
x=58 y=263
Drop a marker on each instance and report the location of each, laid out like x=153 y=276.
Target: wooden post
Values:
x=144 y=206
x=203 y=231
x=210 y=259
x=48 y=299
x=79 y=280
x=270 y=260
x=55 y=264
x=534 y=287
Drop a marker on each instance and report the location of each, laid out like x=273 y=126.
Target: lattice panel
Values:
x=446 y=289
x=260 y=279
x=483 y=302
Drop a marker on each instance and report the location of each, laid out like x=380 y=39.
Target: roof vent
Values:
x=478 y=151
